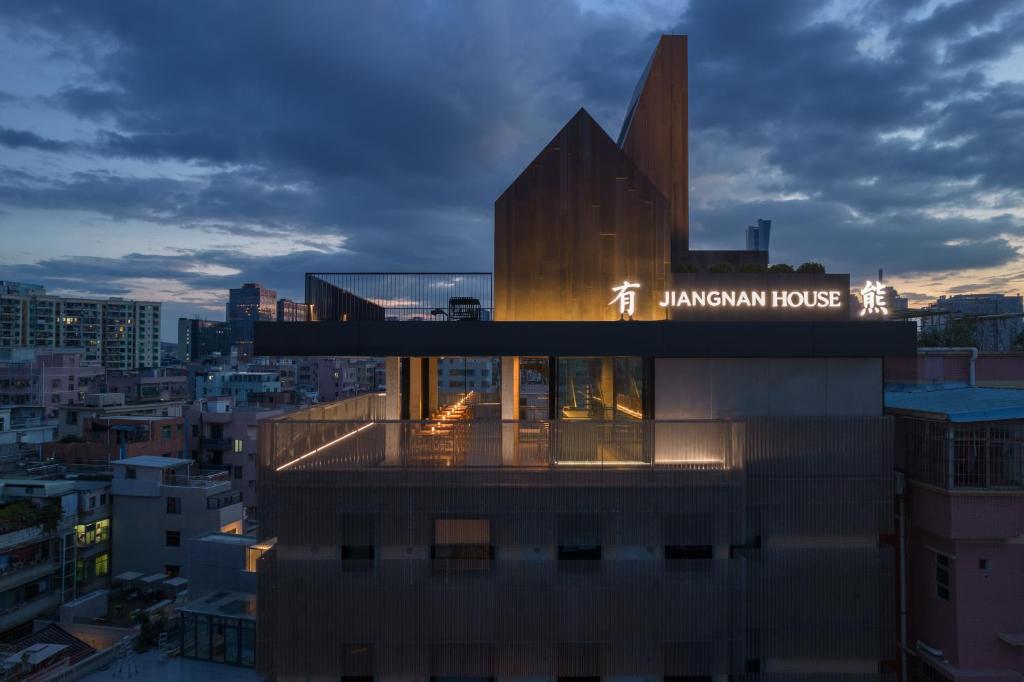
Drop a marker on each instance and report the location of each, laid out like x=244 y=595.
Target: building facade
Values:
x=118 y=333
x=682 y=475
x=46 y=377
x=200 y=339
x=246 y=305
x=159 y=503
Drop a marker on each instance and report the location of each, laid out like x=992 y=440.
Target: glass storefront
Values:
x=600 y=388
x=218 y=638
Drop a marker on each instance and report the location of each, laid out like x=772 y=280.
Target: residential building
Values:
x=707 y=495
x=246 y=305
x=105 y=439
x=47 y=377
x=336 y=378
x=224 y=435
x=118 y=333
x=993 y=322
x=461 y=375
x=759 y=236
x=199 y=339
x=159 y=504
x=71 y=419
x=54 y=546
x=292 y=311
x=238 y=385
x=961 y=517
x=149 y=384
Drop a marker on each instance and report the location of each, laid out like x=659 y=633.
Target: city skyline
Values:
x=140 y=164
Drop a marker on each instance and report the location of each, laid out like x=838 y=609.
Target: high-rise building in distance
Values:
x=758 y=236
x=120 y=334
x=199 y=339
x=246 y=304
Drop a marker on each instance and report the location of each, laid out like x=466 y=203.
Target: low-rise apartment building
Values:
x=159 y=503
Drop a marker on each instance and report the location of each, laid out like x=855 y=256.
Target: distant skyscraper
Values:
x=759 y=235
x=246 y=305
x=292 y=311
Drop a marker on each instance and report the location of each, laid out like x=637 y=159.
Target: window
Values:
x=172 y=538
x=984 y=564
x=238 y=471
x=103 y=530
x=165 y=432
x=239 y=445
x=357 y=542
x=942 y=576
x=688 y=557
x=103 y=499
x=579 y=542
x=462 y=545
x=129 y=472
x=195 y=430
x=102 y=564
x=173 y=505
x=172 y=570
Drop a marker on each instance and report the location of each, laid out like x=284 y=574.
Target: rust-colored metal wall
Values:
x=580 y=219
x=654 y=134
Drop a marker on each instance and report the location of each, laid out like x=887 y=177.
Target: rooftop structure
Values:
x=676 y=473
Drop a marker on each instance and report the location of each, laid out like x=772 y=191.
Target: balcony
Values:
x=966 y=456
x=343 y=444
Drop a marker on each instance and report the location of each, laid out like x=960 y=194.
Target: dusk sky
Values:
x=171 y=150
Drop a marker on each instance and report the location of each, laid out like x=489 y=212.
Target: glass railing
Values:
x=303 y=445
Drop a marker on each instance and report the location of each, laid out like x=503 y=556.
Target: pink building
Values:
x=48 y=377
x=220 y=433
x=962 y=515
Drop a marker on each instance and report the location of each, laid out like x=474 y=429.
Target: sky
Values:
x=171 y=150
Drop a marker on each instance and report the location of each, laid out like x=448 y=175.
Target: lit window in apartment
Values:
x=942 y=576
x=462 y=545
x=172 y=538
x=102 y=564
x=239 y=444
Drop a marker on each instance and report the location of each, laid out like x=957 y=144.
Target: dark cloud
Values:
x=16 y=139
x=870 y=138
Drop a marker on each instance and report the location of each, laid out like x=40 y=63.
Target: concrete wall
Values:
x=140 y=525
x=725 y=388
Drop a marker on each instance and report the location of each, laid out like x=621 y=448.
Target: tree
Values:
x=684 y=267
x=780 y=267
x=721 y=267
x=753 y=267
x=811 y=267
x=957 y=333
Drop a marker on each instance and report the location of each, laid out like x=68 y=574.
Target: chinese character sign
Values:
x=873 y=299
x=625 y=296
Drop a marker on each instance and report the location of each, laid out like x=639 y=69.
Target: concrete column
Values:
x=509 y=408
x=393 y=385
x=608 y=385
x=509 y=387
x=392 y=410
x=416 y=388
x=432 y=403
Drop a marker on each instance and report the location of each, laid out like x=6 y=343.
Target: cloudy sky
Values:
x=170 y=150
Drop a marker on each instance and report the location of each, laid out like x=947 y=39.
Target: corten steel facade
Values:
x=701 y=497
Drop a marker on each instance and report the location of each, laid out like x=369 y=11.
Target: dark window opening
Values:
x=942 y=566
x=172 y=538
x=462 y=545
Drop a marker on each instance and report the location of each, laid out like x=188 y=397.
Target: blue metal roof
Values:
x=960 y=404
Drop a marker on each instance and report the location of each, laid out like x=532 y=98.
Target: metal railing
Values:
x=968 y=456
x=431 y=296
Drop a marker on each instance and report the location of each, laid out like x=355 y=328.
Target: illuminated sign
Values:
x=625 y=296
x=872 y=298
x=746 y=296
x=751 y=299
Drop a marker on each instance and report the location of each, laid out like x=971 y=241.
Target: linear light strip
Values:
x=325 y=446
